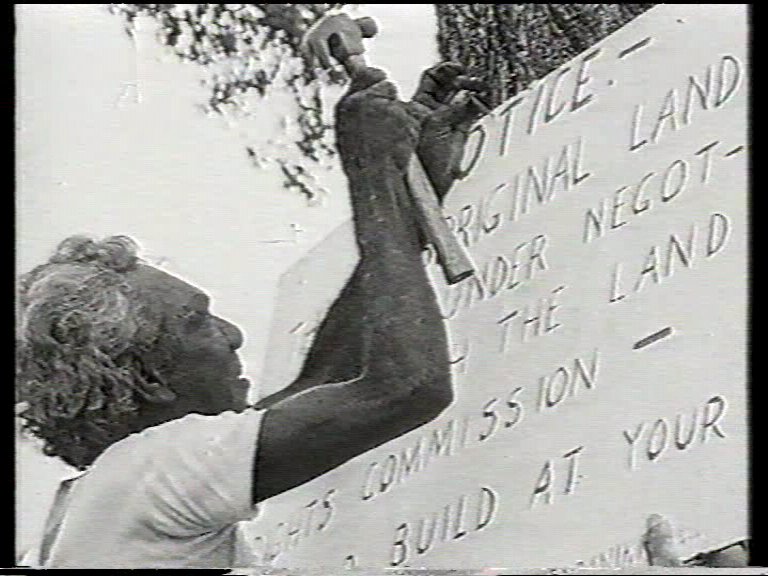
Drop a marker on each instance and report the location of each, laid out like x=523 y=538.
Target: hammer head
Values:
x=368 y=26
x=337 y=36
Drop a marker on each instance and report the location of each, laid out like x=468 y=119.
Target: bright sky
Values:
x=110 y=141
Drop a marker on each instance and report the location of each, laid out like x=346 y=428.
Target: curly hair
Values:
x=81 y=334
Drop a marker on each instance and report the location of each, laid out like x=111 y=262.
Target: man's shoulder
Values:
x=190 y=433
x=196 y=467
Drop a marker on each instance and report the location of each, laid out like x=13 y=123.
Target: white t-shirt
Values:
x=170 y=496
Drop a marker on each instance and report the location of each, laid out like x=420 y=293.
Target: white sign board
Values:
x=600 y=350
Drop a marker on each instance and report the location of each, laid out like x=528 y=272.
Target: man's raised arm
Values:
x=379 y=365
x=404 y=377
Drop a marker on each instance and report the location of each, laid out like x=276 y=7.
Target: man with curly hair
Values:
x=125 y=374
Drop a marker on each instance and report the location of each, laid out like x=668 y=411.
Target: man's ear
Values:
x=150 y=385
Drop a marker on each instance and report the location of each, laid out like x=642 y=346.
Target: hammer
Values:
x=340 y=37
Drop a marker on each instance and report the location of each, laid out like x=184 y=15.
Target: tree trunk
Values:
x=511 y=45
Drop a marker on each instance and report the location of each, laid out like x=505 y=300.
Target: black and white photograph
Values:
x=383 y=288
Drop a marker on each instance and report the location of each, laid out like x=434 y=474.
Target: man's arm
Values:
x=404 y=377
x=320 y=429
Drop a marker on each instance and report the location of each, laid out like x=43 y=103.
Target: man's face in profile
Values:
x=196 y=352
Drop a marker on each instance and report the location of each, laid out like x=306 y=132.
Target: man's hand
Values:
x=373 y=123
x=435 y=124
x=660 y=545
x=659 y=542
x=446 y=125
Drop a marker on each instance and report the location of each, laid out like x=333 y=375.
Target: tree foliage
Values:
x=511 y=45
x=251 y=49
x=247 y=50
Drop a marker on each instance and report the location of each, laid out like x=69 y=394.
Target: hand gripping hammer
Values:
x=340 y=37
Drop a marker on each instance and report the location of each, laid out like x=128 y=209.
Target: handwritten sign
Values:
x=599 y=352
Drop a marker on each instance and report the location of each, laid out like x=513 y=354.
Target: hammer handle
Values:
x=451 y=255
